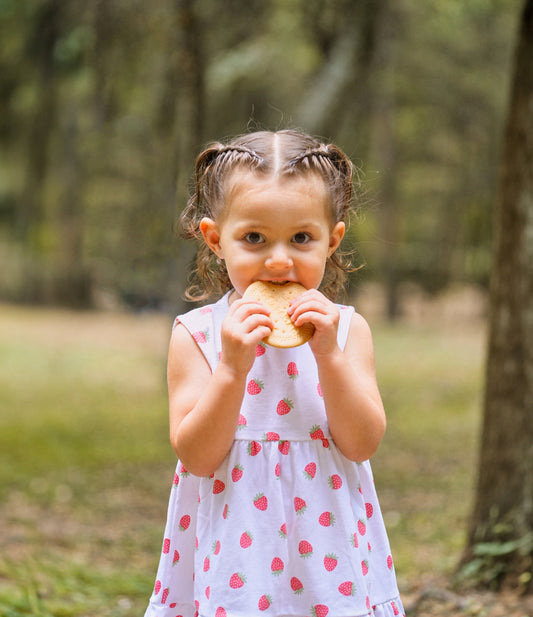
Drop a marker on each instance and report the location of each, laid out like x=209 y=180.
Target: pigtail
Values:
x=213 y=165
x=197 y=205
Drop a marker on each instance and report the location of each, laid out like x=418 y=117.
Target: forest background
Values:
x=103 y=106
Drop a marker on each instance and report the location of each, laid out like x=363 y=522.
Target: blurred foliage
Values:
x=104 y=105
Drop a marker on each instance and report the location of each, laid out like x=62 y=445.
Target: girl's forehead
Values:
x=250 y=184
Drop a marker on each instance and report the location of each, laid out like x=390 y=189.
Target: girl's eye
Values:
x=253 y=237
x=301 y=238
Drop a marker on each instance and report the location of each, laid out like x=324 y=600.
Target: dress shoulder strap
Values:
x=204 y=325
x=346 y=313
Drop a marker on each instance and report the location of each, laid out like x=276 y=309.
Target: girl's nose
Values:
x=279 y=257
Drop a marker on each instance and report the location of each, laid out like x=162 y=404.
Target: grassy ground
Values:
x=85 y=464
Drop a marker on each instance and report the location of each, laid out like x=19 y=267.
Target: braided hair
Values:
x=286 y=153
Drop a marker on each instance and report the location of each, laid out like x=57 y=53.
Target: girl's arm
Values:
x=354 y=408
x=204 y=406
x=356 y=416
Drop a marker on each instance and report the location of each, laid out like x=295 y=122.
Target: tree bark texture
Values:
x=44 y=39
x=501 y=532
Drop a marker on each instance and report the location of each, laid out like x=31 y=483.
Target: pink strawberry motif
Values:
x=316 y=432
x=157 y=587
x=347 y=588
x=284 y=446
x=201 y=337
x=207 y=592
x=264 y=602
x=271 y=436
x=218 y=487
x=284 y=407
x=277 y=470
x=237 y=580
x=254 y=387
x=225 y=512
x=292 y=370
x=164 y=595
x=216 y=547
x=330 y=562
x=183 y=472
x=176 y=481
x=310 y=471
x=254 y=447
x=364 y=567
x=246 y=539
x=299 y=505
x=283 y=531
x=173 y=605
x=369 y=510
x=260 y=350
x=261 y=502
x=335 y=481
x=354 y=540
x=205 y=310
x=390 y=563
x=395 y=609
x=166 y=546
x=277 y=566
x=236 y=473
x=305 y=549
x=319 y=610
x=241 y=422
x=319 y=390
x=176 y=558
x=207 y=564
x=361 y=526
x=326 y=519
x=185 y=521
x=296 y=585
x=220 y=612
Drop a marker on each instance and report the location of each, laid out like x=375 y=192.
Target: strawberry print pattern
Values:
x=287 y=524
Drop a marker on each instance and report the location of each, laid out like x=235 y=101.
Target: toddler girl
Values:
x=273 y=510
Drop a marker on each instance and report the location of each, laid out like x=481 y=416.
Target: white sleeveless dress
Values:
x=287 y=526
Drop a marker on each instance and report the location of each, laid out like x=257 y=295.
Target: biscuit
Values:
x=277 y=298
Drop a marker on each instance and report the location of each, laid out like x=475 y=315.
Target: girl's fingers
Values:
x=245 y=318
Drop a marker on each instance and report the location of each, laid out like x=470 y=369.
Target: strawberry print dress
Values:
x=287 y=526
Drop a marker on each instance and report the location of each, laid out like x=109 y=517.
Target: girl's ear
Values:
x=211 y=235
x=337 y=234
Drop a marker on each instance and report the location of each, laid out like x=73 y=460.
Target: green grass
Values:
x=85 y=463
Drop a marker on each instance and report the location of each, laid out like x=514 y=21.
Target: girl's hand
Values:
x=246 y=323
x=313 y=307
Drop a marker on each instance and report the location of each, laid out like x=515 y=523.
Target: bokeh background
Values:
x=104 y=105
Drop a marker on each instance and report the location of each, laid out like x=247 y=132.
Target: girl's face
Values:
x=274 y=229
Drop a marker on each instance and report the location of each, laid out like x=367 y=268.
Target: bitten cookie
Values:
x=277 y=298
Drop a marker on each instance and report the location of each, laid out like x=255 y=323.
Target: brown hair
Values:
x=284 y=153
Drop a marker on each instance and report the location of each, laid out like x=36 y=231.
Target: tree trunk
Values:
x=70 y=284
x=500 y=543
x=42 y=45
x=345 y=75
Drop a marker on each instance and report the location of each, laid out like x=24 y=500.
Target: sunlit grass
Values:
x=85 y=462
